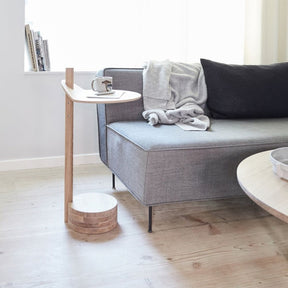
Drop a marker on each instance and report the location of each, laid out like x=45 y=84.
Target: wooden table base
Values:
x=92 y=213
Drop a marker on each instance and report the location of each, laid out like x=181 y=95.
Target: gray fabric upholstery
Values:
x=222 y=133
x=125 y=79
x=165 y=164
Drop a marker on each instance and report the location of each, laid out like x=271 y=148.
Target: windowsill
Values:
x=50 y=73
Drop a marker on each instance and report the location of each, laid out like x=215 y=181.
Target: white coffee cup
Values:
x=102 y=84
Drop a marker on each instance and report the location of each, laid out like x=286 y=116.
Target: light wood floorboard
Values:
x=225 y=243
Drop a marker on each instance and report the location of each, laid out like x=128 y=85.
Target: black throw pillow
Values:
x=246 y=91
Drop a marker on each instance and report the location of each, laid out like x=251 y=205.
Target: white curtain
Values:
x=266 y=32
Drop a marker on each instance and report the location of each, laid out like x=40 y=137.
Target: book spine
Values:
x=31 y=48
x=39 y=51
x=46 y=53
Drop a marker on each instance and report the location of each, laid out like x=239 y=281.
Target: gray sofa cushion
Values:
x=246 y=91
x=222 y=133
x=167 y=164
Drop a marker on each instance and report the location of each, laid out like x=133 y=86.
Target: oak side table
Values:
x=88 y=213
x=263 y=186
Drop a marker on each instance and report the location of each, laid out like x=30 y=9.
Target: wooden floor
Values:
x=227 y=243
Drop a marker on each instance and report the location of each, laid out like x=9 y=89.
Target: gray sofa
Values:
x=165 y=164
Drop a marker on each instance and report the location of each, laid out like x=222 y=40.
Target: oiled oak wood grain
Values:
x=221 y=244
x=93 y=213
x=69 y=143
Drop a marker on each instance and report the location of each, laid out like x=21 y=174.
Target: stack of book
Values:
x=37 y=49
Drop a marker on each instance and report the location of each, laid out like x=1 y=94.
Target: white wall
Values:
x=32 y=104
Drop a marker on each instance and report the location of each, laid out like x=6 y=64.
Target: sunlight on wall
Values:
x=92 y=34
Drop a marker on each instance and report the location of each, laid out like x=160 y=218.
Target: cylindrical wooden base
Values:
x=92 y=213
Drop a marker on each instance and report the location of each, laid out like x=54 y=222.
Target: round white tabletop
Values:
x=263 y=186
x=80 y=95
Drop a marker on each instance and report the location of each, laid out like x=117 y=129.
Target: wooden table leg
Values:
x=69 y=111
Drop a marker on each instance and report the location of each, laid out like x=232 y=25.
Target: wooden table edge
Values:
x=278 y=214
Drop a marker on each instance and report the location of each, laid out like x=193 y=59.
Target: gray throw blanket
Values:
x=175 y=93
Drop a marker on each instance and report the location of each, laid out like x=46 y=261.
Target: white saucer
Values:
x=105 y=93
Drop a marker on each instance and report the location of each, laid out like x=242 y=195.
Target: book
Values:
x=30 y=44
x=38 y=51
x=46 y=54
x=115 y=94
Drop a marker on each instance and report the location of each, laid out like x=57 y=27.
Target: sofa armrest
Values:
x=123 y=79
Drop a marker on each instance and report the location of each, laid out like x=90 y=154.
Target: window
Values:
x=92 y=34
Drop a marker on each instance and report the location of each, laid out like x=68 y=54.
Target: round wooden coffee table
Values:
x=263 y=186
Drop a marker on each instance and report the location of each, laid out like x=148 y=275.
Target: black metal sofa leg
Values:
x=113 y=181
x=150 y=207
x=150 y=220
